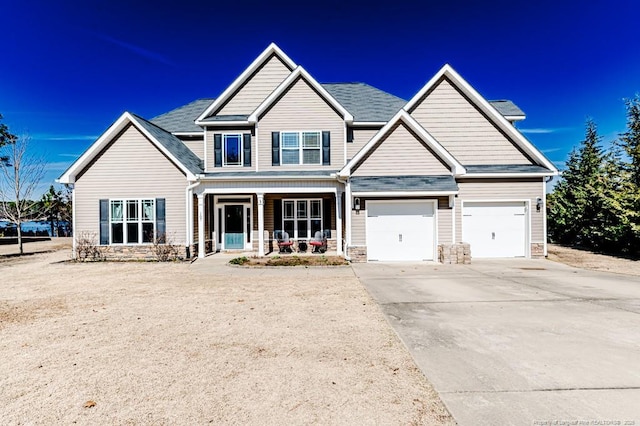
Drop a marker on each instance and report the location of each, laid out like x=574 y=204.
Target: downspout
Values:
x=347 y=223
x=189 y=225
x=544 y=212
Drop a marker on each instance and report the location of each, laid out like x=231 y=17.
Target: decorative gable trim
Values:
x=480 y=102
x=272 y=49
x=96 y=148
x=300 y=72
x=402 y=115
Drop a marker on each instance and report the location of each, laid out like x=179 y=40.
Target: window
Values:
x=302 y=218
x=132 y=221
x=301 y=147
x=232 y=145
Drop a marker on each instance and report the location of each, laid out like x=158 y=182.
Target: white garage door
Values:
x=495 y=229
x=400 y=230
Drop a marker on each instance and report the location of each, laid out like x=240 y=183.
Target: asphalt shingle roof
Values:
x=507 y=108
x=404 y=183
x=364 y=102
x=181 y=119
x=174 y=145
x=276 y=173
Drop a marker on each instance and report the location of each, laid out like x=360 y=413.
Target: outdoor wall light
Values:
x=538 y=204
x=356 y=204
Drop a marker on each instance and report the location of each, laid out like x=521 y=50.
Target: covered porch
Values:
x=248 y=216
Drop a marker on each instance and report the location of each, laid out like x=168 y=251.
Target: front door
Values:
x=234 y=227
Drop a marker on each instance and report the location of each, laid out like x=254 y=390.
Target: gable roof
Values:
x=404 y=116
x=271 y=50
x=300 y=73
x=182 y=119
x=366 y=103
x=492 y=113
x=167 y=143
x=508 y=109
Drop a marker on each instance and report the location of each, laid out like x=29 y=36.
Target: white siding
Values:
x=257 y=88
x=299 y=109
x=495 y=190
x=360 y=138
x=400 y=152
x=131 y=167
x=463 y=130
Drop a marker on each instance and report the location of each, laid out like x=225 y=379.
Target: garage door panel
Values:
x=400 y=231
x=495 y=229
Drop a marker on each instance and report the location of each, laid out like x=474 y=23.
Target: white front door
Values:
x=400 y=230
x=495 y=229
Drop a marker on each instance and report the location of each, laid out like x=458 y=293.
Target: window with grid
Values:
x=302 y=218
x=301 y=148
x=132 y=221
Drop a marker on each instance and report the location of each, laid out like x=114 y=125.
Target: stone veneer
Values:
x=537 y=250
x=459 y=253
x=357 y=253
x=138 y=252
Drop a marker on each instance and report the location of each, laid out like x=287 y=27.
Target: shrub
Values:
x=239 y=260
x=164 y=249
x=86 y=247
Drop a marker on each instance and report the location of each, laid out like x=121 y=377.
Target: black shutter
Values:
x=350 y=135
x=104 y=222
x=217 y=150
x=327 y=206
x=275 y=148
x=326 y=148
x=161 y=226
x=246 y=146
x=277 y=215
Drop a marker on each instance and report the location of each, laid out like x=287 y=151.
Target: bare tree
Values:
x=19 y=177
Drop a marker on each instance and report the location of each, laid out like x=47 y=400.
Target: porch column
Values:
x=201 y=242
x=347 y=212
x=260 y=224
x=339 y=222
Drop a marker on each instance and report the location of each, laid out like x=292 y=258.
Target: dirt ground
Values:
x=594 y=261
x=201 y=343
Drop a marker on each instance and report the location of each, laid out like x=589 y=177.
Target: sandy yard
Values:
x=594 y=261
x=200 y=343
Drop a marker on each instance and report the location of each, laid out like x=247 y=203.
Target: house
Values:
x=383 y=178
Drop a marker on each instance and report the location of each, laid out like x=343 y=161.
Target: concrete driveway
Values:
x=526 y=342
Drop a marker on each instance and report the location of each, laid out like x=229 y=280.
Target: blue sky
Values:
x=71 y=68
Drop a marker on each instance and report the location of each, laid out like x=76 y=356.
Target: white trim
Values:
x=527 y=204
x=344 y=144
x=544 y=217
x=201 y=236
x=514 y=118
x=206 y=157
x=497 y=118
x=189 y=213
x=299 y=72
x=257 y=63
x=403 y=193
x=506 y=175
x=296 y=219
x=255 y=131
x=402 y=115
x=125 y=209
x=347 y=212
x=338 y=208
x=120 y=124
x=434 y=202
x=300 y=148
x=224 y=150
x=247 y=191
x=251 y=176
x=260 y=197
x=453 y=219
x=74 y=230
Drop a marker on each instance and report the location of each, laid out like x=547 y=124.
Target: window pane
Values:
x=290 y=156
x=311 y=156
x=302 y=209
x=288 y=210
x=147 y=232
x=116 y=211
x=316 y=208
x=290 y=140
x=302 y=229
x=232 y=149
x=148 y=210
x=316 y=225
x=116 y=233
x=132 y=210
x=288 y=227
x=311 y=140
x=132 y=232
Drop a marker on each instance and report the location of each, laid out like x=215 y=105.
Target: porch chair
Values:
x=284 y=243
x=319 y=242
